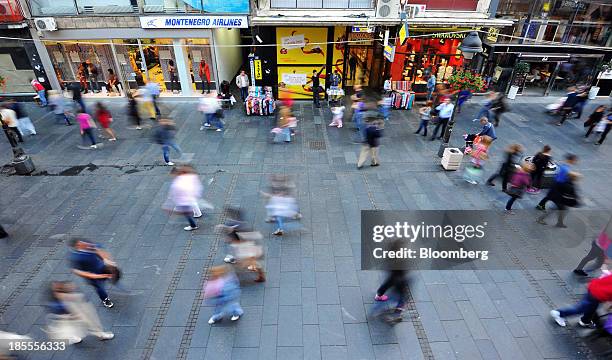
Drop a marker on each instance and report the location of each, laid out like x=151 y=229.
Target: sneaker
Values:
x=113 y=139
x=219 y=130
x=74 y=340
x=558 y=124
x=589 y=325
x=556 y=315
x=94 y=146
x=104 y=335
x=339 y=126
x=235 y=317
x=202 y=128
x=580 y=272
x=381 y=297
x=211 y=321
x=278 y=232
x=229 y=259
x=107 y=303
x=540 y=207
x=190 y=228
x=598 y=143
x=170 y=163
x=207 y=125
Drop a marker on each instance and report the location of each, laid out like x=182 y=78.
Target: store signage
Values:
x=362 y=29
x=252 y=67
x=403 y=33
x=293 y=41
x=389 y=52
x=193 y=22
x=493 y=34
x=294 y=79
x=258 y=74
x=360 y=36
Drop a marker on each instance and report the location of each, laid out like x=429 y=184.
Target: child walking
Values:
x=338 y=112
x=223 y=291
x=105 y=119
x=425 y=113
x=519 y=182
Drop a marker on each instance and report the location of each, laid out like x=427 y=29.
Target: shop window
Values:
x=53 y=7
x=198 y=50
x=421 y=56
x=16 y=69
x=106 y=6
x=465 y=5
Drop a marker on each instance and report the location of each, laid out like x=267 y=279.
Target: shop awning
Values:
x=365 y=21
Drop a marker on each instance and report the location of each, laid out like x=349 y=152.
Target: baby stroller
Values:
x=470 y=140
x=554 y=108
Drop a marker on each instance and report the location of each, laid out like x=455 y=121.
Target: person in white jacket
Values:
x=209 y=105
x=185 y=192
x=242 y=81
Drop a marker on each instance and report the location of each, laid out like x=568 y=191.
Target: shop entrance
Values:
x=359 y=60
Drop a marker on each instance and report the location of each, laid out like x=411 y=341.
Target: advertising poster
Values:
x=301 y=45
x=294 y=82
x=339 y=46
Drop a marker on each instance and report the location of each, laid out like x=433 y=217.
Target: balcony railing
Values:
x=322 y=4
x=10 y=12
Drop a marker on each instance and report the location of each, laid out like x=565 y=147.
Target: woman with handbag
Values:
x=594 y=119
x=520 y=181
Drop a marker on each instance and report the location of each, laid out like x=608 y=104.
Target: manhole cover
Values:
x=317 y=145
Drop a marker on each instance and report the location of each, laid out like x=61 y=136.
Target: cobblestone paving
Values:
x=315 y=302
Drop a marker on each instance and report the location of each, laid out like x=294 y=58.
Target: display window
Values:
x=419 y=57
x=198 y=50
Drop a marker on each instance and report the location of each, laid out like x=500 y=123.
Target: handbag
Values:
x=515 y=191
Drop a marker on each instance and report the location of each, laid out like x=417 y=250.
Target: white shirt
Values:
x=9 y=117
x=242 y=81
x=387 y=85
x=445 y=110
x=209 y=105
x=185 y=190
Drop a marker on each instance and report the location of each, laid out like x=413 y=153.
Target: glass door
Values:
x=161 y=64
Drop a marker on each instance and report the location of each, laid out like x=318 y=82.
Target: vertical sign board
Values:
x=258 y=74
x=252 y=67
x=389 y=52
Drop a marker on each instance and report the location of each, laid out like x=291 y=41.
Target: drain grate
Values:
x=317 y=145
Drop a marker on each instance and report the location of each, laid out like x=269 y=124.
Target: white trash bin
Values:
x=451 y=159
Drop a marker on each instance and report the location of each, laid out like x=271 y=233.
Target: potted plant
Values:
x=466 y=80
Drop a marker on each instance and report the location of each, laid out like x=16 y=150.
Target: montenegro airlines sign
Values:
x=193 y=22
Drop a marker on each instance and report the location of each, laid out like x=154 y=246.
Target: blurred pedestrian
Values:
x=132 y=111
x=76 y=95
x=9 y=118
x=87 y=125
x=462 y=97
x=373 y=133
x=144 y=99
x=598 y=291
x=603 y=128
x=185 y=192
x=498 y=107
x=40 y=90
x=487 y=103
x=568 y=105
x=222 y=289
x=600 y=251
x=164 y=135
x=478 y=156
x=92 y=263
x=282 y=131
x=540 y=162
x=594 y=119
x=59 y=106
x=513 y=154
x=564 y=196
x=281 y=207
x=153 y=90
x=561 y=178
x=384 y=107
x=24 y=123
x=71 y=316
x=209 y=106
x=425 y=114
x=519 y=182
x=337 y=116
x=105 y=119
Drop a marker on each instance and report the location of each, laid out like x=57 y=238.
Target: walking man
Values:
x=94 y=265
x=445 y=111
x=164 y=135
x=316 y=88
x=561 y=178
x=242 y=81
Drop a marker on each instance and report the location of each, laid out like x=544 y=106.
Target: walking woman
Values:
x=105 y=119
x=185 y=191
x=133 y=111
x=603 y=128
x=521 y=180
x=594 y=119
x=505 y=172
x=600 y=250
x=87 y=125
x=540 y=163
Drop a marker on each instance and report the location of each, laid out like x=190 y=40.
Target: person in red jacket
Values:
x=204 y=72
x=598 y=291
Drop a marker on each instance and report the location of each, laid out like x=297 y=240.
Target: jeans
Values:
x=511 y=201
x=483 y=112
x=80 y=102
x=442 y=122
x=42 y=97
x=166 y=150
x=189 y=217
x=93 y=80
x=315 y=97
x=596 y=253
x=89 y=133
x=536 y=178
x=216 y=122
x=232 y=308
x=244 y=92
x=207 y=86
x=358 y=119
x=430 y=93
x=63 y=117
x=423 y=126
x=207 y=119
x=98 y=284
x=587 y=306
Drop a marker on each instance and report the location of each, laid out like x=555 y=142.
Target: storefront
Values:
x=19 y=63
x=166 y=50
x=550 y=69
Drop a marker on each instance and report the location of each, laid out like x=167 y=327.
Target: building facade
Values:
x=141 y=41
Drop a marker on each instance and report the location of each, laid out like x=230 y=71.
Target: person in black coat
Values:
x=540 y=163
x=507 y=168
x=594 y=119
x=573 y=98
x=563 y=195
x=498 y=107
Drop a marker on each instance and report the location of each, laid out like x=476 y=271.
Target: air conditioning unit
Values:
x=387 y=8
x=45 y=24
x=410 y=11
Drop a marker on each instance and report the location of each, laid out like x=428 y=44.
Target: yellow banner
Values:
x=301 y=45
x=257 y=64
x=295 y=82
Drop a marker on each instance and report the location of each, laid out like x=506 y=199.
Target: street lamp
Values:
x=470 y=46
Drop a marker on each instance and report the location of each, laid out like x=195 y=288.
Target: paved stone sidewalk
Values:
x=315 y=302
